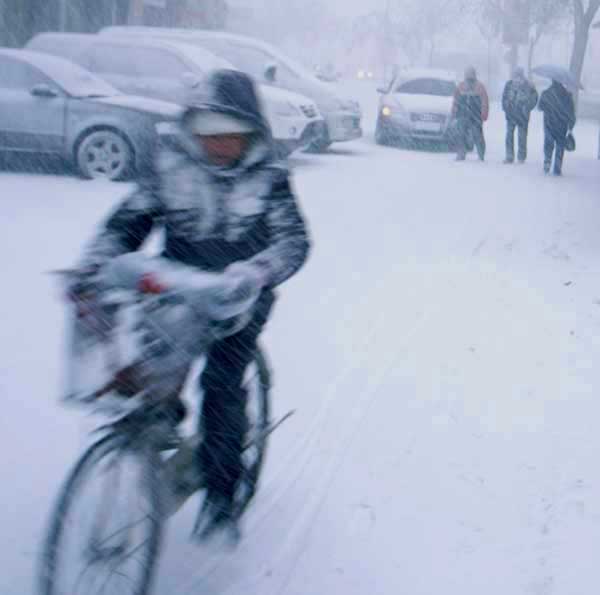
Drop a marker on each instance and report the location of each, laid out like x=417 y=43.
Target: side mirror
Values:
x=190 y=80
x=271 y=73
x=383 y=90
x=44 y=90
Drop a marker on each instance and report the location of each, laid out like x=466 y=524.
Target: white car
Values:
x=417 y=107
x=269 y=66
x=166 y=69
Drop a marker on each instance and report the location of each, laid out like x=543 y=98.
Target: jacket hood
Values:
x=231 y=93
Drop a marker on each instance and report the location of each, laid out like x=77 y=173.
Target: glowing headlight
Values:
x=361 y=74
x=386 y=111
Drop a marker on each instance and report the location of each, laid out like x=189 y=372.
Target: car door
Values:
x=32 y=109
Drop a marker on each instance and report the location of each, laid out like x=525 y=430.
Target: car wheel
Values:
x=104 y=154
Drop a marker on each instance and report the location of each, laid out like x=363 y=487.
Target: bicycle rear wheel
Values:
x=106 y=528
x=258 y=411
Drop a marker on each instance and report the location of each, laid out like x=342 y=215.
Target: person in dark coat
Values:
x=558 y=106
x=227 y=206
x=518 y=101
x=470 y=109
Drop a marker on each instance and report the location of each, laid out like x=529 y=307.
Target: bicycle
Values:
x=144 y=446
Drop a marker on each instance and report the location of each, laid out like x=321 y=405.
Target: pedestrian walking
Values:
x=558 y=106
x=471 y=109
x=518 y=101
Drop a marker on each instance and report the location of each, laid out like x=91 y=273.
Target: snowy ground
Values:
x=439 y=348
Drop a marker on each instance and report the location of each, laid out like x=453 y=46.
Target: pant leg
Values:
x=223 y=421
x=479 y=139
x=548 y=148
x=523 y=133
x=510 y=140
x=462 y=133
x=559 y=156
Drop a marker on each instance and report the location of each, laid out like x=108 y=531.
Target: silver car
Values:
x=417 y=108
x=51 y=106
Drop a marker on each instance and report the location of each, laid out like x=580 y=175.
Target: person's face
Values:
x=224 y=149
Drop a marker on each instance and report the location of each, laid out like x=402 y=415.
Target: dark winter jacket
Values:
x=471 y=102
x=518 y=101
x=212 y=216
x=559 y=110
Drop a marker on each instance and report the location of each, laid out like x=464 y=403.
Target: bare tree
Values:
x=545 y=15
x=418 y=25
x=542 y=16
x=584 y=12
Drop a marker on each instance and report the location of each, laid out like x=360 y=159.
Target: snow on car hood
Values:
x=275 y=95
x=421 y=103
x=167 y=110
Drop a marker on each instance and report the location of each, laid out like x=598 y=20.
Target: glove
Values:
x=241 y=287
x=244 y=281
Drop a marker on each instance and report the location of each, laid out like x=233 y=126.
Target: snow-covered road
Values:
x=439 y=348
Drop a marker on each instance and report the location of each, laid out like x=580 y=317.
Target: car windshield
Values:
x=436 y=87
x=205 y=60
x=76 y=81
x=245 y=61
x=253 y=59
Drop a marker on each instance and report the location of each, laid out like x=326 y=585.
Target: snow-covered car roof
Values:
x=426 y=73
x=74 y=79
x=212 y=35
x=204 y=58
x=199 y=55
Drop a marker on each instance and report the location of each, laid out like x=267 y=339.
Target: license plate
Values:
x=428 y=126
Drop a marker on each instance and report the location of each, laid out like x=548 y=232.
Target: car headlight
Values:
x=394 y=110
x=286 y=109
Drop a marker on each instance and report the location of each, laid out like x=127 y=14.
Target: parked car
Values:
x=417 y=106
x=327 y=73
x=269 y=66
x=51 y=106
x=588 y=107
x=166 y=69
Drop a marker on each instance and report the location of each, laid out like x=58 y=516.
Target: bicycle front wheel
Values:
x=105 y=531
x=258 y=413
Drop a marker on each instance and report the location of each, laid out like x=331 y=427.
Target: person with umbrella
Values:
x=558 y=106
x=518 y=100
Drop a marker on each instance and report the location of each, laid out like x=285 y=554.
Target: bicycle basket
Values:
x=124 y=341
x=99 y=344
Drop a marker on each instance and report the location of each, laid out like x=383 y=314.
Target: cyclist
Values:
x=225 y=205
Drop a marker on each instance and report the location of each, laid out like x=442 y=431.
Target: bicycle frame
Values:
x=182 y=477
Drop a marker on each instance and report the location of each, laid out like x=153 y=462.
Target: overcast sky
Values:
x=353 y=8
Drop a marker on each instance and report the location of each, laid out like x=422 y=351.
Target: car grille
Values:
x=310 y=111
x=420 y=117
